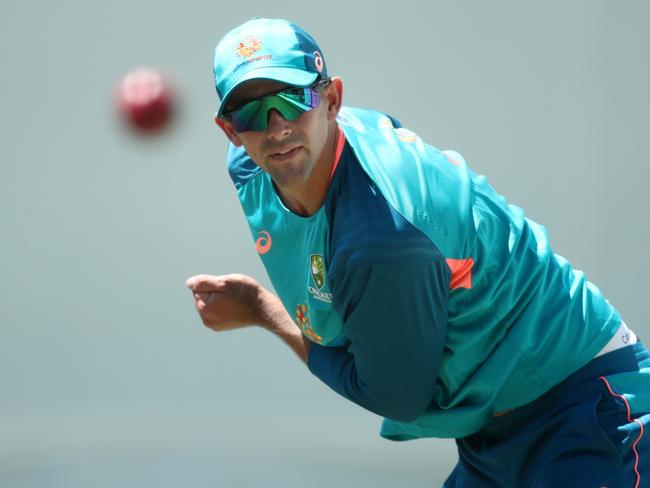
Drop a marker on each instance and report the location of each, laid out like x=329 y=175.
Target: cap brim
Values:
x=290 y=76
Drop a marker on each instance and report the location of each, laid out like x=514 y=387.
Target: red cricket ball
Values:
x=145 y=100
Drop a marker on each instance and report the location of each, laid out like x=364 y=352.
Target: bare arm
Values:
x=234 y=301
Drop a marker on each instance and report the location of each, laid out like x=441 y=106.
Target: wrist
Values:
x=271 y=311
x=276 y=320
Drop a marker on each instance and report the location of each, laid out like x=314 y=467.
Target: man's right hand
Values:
x=229 y=301
x=233 y=301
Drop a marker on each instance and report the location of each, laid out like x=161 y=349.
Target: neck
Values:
x=306 y=198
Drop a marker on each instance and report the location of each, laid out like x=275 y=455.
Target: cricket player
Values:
x=410 y=287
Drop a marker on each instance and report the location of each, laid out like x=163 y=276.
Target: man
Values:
x=410 y=287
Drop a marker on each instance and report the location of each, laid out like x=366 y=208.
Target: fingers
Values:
x=204 y=290
x=204 y=304
x=202 y=297
x=200 y=302
x=227 y=301
x=205 y=283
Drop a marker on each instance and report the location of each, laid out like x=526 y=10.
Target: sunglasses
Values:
x=291 y=103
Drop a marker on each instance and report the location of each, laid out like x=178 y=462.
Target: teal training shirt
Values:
x=429 y=299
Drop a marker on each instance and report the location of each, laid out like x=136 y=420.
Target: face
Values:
x=287 y=150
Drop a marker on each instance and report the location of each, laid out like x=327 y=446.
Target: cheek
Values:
x=250 y=142
x=317 y=126
x=323 y=130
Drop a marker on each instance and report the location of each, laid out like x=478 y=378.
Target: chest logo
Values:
x=317 y=270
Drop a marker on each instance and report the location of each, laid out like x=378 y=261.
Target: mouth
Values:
x=285 y=154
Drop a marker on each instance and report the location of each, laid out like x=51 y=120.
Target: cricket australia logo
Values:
x=317 y=268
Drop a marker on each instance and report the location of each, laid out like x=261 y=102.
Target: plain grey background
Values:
x=108 y=378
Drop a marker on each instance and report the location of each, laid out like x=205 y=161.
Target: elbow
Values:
x=405 y=405
x=407 y=411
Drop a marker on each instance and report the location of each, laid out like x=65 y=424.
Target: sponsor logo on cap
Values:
x=247 y=49
x=249 y=46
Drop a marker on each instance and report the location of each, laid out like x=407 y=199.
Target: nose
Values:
x=278 y=127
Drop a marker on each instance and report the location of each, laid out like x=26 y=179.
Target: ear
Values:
x=334 y=97
x=227 y=129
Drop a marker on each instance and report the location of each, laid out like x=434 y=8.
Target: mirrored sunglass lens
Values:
x=243 y=117
x=305 y=100
x=290 y=103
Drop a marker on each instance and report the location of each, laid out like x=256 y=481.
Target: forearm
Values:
x=233 y=301
x=276 y=319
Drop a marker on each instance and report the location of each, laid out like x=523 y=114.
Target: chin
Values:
x=291 y=175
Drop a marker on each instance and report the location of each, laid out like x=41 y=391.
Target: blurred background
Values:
x=107 y=376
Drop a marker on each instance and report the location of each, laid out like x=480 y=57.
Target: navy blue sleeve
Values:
x=395 y=317
x=390 y=286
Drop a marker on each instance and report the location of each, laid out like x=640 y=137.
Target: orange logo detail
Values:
x=385 y=123
x=452 y=160
x=406 y=135
x=263 y=243
x=461 y=272
x=249 y=46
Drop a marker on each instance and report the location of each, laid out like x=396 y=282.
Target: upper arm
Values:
x=389 y=285
x=395 y=317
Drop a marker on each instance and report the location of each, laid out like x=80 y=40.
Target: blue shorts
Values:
x=591 y=430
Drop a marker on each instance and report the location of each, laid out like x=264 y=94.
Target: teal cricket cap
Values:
x=273 y=49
